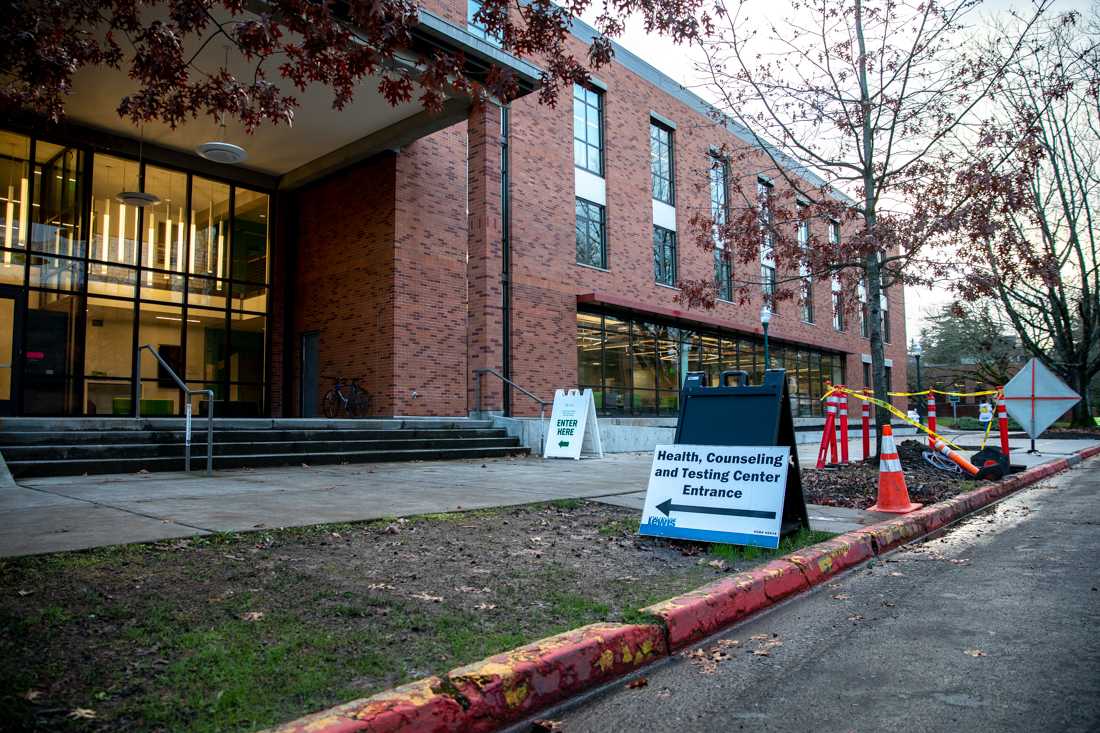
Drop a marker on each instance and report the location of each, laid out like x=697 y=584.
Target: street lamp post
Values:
x=765 y=319
x=916 y=354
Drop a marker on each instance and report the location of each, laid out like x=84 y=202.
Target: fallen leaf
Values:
x=423 y=596
x=335 y=534
x=82 y=714
x=839 y=598
x=143 y=471
x=664 y=694
x=252 y=616
x=772 y=643
x=485 y=606
x=888 y=604
x=640 y=682
x=896 y=575
x=167 y=521
x=761 y=653
x=32 y=695
x=758 y=637
x=379 y=586
x=833 y=585
x=975 y=653
x=720 y=564
x=259 y=525
x=305 y=465
x=27 y=592
x=689 y=553
x=992 y=633
x=855 y=618
x=545 y=726
x=356 y=473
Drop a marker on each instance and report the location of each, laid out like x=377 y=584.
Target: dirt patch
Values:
x=239 y=632
x=1071 y=434
x=856 y=485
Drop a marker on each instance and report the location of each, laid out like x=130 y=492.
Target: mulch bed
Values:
x=856 y=485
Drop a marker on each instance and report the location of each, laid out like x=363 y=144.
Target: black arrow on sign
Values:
x=667 y=506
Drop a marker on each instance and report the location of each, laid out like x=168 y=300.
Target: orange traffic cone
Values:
x=893 y=497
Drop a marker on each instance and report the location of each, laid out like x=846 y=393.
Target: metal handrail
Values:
x=187 y=427
x=542 y=403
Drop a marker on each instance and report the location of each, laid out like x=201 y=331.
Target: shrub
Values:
x=970 y=423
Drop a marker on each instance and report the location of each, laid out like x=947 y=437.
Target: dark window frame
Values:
x=664 y=256
x=584 y=209
x=657 y=131
x=581 y=97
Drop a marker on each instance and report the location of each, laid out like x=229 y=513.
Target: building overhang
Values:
x=321 y=140
x=699 y=320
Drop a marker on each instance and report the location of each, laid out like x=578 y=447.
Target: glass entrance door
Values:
x=11 y=329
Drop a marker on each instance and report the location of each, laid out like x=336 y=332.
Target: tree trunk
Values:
x=878 y=358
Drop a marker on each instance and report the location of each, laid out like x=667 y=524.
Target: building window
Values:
x=838 y=306
x=660 y=161
x=864 y=324
x=867 y=377
x=889 y=382
x=767 y=246
x=188 y=276
x=477 y=29
x=591 y=234
x=806 y=291
x=588 y=129
x=664 y=256
x=719 y=211
x=885 y=319
x=637 y=368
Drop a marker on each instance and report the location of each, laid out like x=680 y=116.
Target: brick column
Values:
x=484 y=329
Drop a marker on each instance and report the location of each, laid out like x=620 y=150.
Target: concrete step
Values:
x=141 y=451
x=37 y=469
x=9 y=439
x=77 y=424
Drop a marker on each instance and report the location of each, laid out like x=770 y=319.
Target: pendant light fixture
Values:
x=136 y=197
x=221 y=151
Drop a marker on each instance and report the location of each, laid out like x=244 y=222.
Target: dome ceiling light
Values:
x=220 y=151
x=136 y=197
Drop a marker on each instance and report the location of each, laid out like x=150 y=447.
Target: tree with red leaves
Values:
x=1030 y=239
x=288 y=44
x=854 y=112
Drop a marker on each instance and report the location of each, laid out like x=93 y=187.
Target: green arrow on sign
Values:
x=667 y=506
x=563 y=444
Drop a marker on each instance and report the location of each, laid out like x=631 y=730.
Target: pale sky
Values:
x=676 y=61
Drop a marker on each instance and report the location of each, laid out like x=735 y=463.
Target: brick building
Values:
x=383 y=243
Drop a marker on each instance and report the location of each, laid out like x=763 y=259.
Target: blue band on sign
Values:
x=706 y=535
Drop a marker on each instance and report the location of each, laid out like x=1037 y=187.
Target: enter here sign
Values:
x=730 y=494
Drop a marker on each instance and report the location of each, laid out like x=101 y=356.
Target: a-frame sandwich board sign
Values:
x=738 y=415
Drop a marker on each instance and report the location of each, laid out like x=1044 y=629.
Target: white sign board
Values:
x=573 y=426
x=1035 y=398
x=730 y=494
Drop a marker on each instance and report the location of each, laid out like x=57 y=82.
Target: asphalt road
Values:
x=1015 y=586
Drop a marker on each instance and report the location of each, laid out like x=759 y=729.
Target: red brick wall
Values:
x=344 y=279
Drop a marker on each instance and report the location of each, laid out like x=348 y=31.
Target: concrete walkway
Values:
x=79 y=512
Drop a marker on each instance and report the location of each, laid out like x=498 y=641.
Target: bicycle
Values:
x=355 y=403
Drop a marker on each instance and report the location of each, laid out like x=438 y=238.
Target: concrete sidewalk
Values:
x=78 y=512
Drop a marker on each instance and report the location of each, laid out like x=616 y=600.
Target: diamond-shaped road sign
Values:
x=1035 y=398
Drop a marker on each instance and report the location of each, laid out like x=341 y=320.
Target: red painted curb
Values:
x=418 y=707
x=507 y=687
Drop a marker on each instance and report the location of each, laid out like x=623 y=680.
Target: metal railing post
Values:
x=189 y=392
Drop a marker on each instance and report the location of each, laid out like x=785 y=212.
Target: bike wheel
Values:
x=357 y=404
x=331 y=403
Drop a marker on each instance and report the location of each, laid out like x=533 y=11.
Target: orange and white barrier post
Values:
x=1002 y=419
x=866 y=426
x=843 y=404
x=893 y=497
x=836 y=425
x=830 y=427
x=931 y=418
x=958 y=458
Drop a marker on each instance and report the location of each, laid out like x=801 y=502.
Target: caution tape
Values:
x=896 y=412
x=937 y=391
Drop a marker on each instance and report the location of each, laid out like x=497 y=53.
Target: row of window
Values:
x=591 y=225
x=638 y=368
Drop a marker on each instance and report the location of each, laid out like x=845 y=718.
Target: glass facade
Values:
x=664 y=256
x=660 y=161
x=591 y=234
x=637 y=368
x=188 y=276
